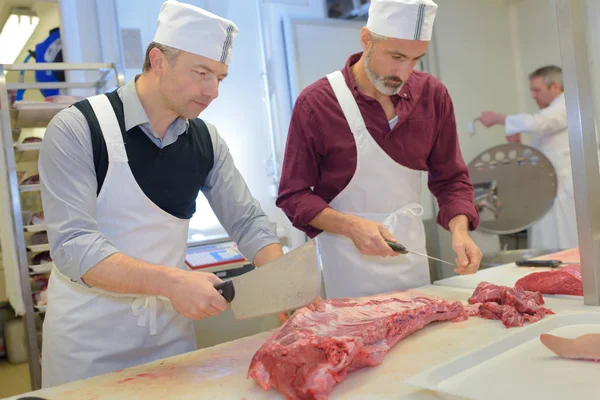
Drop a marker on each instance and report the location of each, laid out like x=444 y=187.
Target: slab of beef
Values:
x=316 y=349
x=564 y=280
x=513 y=306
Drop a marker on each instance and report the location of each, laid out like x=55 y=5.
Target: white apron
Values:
x=383 y=191
x=88 y=331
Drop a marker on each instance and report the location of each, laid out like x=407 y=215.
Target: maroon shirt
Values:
x=320 y=154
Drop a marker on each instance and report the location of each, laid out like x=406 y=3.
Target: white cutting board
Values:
x=504 y=275
x=220 y=372
x=520 y=365
x=509 y=274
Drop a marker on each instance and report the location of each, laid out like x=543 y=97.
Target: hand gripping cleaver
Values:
x=286 y=283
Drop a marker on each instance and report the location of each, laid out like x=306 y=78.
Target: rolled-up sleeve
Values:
x=448 y=175
x=301 y=170
x=229 y=197
x=68 y=187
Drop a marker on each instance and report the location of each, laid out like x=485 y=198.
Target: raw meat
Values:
x=512 y=306
x=32 y=180
x=32 y=140
x=563 y=280
x=41 y=258
x=316 y=349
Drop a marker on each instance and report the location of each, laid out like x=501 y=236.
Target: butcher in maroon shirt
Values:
x=358 y=142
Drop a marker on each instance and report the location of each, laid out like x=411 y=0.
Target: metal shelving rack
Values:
x=12 y=229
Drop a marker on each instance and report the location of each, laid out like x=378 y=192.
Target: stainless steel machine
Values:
x=515 y=185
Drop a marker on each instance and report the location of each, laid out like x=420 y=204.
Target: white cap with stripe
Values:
x=192 y=29
x=402 y=19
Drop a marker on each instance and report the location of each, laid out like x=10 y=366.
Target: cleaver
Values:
x=284 y=284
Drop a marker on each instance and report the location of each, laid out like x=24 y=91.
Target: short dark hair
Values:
x=550 y=73
x=169 y=52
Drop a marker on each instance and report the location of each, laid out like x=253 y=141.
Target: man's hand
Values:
x=468 y=255
x=490 y=118
x=312 y=306
x=193 y=294
x=368 y=237
x=515 y=138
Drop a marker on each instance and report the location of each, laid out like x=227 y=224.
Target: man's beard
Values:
x=380 y=82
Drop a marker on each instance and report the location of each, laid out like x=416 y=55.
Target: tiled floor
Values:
x=14 y=379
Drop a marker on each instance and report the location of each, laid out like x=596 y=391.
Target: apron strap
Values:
x=109 y=125
x=347 y=102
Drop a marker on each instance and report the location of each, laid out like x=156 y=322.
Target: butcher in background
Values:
x=120 y=175
x=548 y=128
x=358 y=142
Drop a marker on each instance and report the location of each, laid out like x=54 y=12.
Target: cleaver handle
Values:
x=227 y=290
x=538 y=263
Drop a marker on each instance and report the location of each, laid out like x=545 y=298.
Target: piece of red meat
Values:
x=513 y=306
x=41 y=258
x=32 y=180
x=564 y=280
x=314 y=350
x=32 y=140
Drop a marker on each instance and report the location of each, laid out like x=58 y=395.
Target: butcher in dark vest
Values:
x=120 y=174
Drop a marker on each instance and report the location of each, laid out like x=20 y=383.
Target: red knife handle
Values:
x=227 y=290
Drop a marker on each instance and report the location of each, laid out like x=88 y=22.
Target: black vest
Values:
x=171 y=177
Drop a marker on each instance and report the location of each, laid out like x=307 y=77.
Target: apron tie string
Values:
x=145 y=308
x=392 y=220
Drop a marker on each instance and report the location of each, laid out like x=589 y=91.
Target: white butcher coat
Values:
x=548 y=128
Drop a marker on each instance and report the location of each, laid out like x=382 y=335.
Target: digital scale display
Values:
x=213 y=255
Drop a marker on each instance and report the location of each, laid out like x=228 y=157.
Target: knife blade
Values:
x=398 y=248
x=287 y=283
x=542 y=263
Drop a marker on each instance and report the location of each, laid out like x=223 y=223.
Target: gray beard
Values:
x=378 y=81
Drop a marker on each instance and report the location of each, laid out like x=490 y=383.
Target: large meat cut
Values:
x=316 y=349
x=563 y=280
x=513 y=306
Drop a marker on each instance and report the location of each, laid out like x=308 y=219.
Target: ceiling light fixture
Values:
x=16 y=32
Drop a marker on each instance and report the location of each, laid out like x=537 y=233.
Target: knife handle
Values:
x=397 y=247
x=227 y=290
x=538 y=263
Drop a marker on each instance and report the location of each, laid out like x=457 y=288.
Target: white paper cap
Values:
x=402 y=19
x=192 y=29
